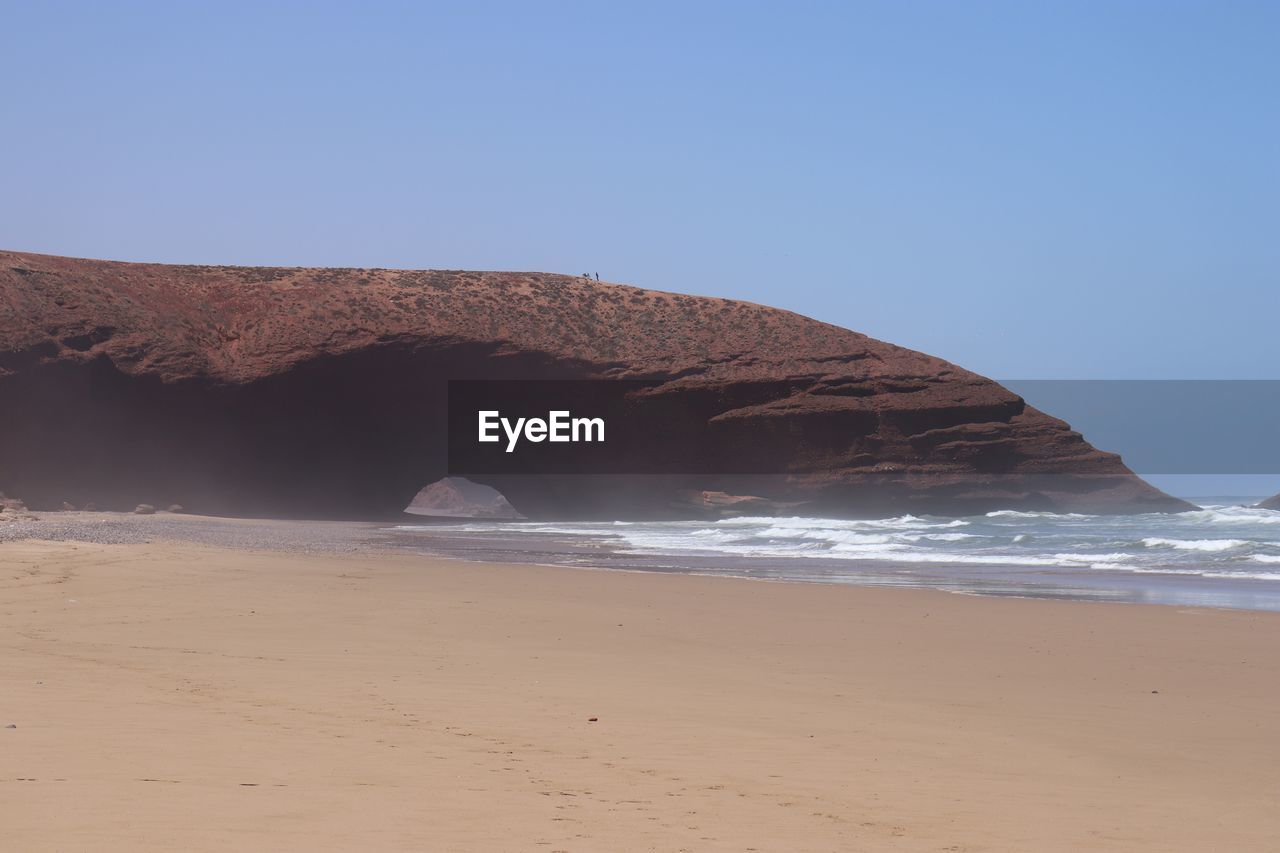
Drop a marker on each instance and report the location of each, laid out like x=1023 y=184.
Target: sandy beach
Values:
x=171 y=695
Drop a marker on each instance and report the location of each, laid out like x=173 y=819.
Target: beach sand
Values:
x=180 y=696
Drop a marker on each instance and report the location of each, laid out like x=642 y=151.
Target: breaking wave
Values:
x=1008 y=550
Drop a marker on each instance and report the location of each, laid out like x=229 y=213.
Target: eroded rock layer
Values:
x=321 y=392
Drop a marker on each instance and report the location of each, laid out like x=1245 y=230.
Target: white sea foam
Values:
x=1231 y=515
x=1093 y=558
x=902 y=522
x=1195 y=544
x=1014 y=513
x=939 y=537
x=1204 y=573
x=904 y=554
x=1008 y=549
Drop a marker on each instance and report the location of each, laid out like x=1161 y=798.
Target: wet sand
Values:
x=187 y=696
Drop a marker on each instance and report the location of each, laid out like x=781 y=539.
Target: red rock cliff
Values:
x=320 y=392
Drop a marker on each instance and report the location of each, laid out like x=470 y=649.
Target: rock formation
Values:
x=1271 y=503
x=321 y=392
x=458 y=497
x=12 y=509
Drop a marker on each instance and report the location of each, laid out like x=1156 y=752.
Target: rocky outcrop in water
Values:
x=1271 y=503
x=321 y=392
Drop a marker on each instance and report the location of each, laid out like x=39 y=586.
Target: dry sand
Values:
x=187 y=697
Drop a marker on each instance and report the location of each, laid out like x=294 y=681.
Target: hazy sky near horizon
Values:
x=1029 y=189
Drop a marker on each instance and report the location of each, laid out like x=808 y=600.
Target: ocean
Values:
x=1226 y=554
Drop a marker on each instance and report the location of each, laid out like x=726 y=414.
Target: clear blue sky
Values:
x=1030 y=189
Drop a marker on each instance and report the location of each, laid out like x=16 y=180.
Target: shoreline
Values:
x=514 y=546
x=212 y=698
